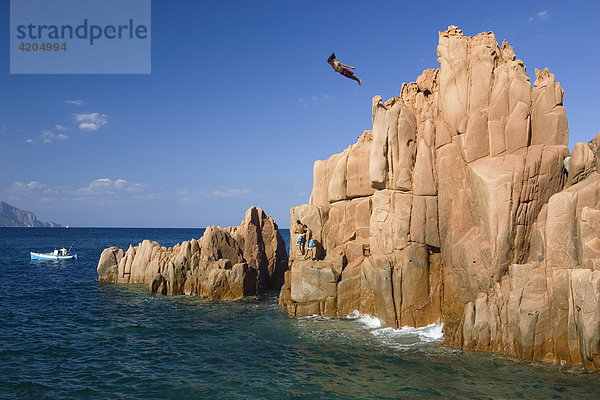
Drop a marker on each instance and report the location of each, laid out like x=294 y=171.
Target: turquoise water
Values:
x=64 y=335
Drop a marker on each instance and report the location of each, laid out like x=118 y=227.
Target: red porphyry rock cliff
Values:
x=462 y=206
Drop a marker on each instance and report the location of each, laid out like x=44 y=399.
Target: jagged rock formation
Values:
x=462 y=206
x=11 y=216
x=225 y=263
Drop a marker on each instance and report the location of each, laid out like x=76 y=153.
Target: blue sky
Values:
x=240 y=103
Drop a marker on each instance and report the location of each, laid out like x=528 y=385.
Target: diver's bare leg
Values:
x=355 y=78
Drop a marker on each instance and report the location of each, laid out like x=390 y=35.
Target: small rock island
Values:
x=224 y=264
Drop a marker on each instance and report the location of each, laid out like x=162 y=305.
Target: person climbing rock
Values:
x=310 y=255
x=343 y=68
x=301 y=240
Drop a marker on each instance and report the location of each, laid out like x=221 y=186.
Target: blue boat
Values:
x=57 y=255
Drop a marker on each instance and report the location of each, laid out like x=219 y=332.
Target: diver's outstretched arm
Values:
x=347 y=66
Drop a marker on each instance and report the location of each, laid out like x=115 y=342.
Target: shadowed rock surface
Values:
x=224 y=264
x=462 y=206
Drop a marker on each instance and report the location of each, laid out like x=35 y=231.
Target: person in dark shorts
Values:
x=342 y=68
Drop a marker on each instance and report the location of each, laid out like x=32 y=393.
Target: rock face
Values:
x=224 y=264
x=11 y=216
x=462 y=205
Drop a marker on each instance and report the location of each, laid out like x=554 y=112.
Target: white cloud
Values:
x=27 y=186
x=50 y=137
x=543 y=15
x=188 y=196
x=313 y=99
x=47 y=137
x=100 y=191
x=107 y=186
x=229 y=193
x=74 y=102
x=91 y=121
x=32 y=187
x=59 y=127
x=322 y=97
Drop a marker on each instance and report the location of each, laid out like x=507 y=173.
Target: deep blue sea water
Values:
x=65 y=336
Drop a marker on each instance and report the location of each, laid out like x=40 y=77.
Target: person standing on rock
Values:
x=310 y=244
x=343 y=69
x=301 y=236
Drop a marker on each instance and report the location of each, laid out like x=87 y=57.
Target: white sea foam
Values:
x=430 y=333
x=368 y=321
x=315 y=317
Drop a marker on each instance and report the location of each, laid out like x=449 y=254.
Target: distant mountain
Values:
x=12 y=216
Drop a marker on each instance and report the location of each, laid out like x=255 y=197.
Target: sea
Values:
x=63 y=335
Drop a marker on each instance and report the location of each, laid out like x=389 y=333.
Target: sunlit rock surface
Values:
x=462 y=205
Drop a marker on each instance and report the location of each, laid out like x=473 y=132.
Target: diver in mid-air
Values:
x=342 y=68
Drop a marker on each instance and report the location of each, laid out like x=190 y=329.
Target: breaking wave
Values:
x=430 y=333
x=402 y=338
x=368 y=321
